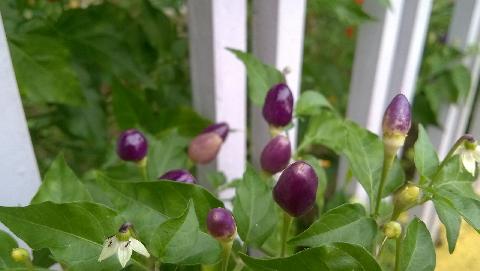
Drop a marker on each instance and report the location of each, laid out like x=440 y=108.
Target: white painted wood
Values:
x=20 y=178
x=278 y=31
x=18 y=167
x=218 y=77
x=409 y=50
x=464 y=31
x=373 y=63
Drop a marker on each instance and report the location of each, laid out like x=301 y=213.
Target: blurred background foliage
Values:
x=90 y=68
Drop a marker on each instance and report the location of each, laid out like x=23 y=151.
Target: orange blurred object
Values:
x=359 y=2
x=349 y=31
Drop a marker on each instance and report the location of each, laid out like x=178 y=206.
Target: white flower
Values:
x=123 y=249
x=469 y=157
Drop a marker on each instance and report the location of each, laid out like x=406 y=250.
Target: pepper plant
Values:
x=145 y=212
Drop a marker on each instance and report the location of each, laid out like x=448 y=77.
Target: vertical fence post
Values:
x=374 y=57
x=463 y=32
x=218 y=77
x=20 y=178
x=409 y=51
x=278 y=31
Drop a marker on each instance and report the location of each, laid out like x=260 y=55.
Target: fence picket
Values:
x=278 y=31
x=218 y=77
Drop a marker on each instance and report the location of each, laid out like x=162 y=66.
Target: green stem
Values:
x=287 y=222
x=397 y=253
x=227 y=249
x=142 y=165
x=382 y=245
x=450 y=153
x=387 y=164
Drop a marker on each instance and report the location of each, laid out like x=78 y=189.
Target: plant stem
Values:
x=381 y=247
x=287 y=222
x=142 y=165
x=227 y=249
x=387 y=164
x=447 y=157
x=397 y=253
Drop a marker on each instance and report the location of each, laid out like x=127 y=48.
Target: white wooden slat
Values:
x=218 y=77
x=20 y=178
x=464 y=31
x=18 y=167
x=373 y=63
x=278 y=31
x=410 y=44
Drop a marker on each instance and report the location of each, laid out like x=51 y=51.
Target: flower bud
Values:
x=220 y=128
x=20 y=255
x=276 y=154
x=278 y=106
x=396 y=123
x=204 y=148
x=221 y=224
x=392 y=230
x=296 y=189
x=179 y=175
x=406 y=197
x=132 y=145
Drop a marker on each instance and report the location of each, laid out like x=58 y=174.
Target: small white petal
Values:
x=459 y=150
x=124 y=253
x=138 y=247
x=110 y=246
x=469 y=162
x=476 y=154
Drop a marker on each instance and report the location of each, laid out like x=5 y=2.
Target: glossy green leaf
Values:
x=147 y=204
x=450 y=219
x=310 y=103
x=338 y=256
x=166 y=153
x=74 y=232
x=254 y=208
x=43 y=70
x=426 y=159
x=61 y=185
x=347 y=223
x=261 y=77
x=453 y=184
x=363 y=149
x=417 y=252
x=179 y=240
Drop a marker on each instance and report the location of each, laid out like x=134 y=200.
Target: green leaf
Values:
x=363 y=149
x=460 y=77
x=311 y=103
x=417 y=252
x=166 y=153
x=61 y=185
x=147 y=204
x=347 y=223
x=179 y=240
x=43 y=70
x=97 y=37
x=261 y=77
x=254 y=208
x=338 y=256
x=74 y=232
x=450 y=219
x=7 y=243
x=426 y=159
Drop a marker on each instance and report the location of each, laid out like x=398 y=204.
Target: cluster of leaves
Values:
x=86 y=72
x=444 y=77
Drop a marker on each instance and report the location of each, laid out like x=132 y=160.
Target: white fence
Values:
x=387 y=58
